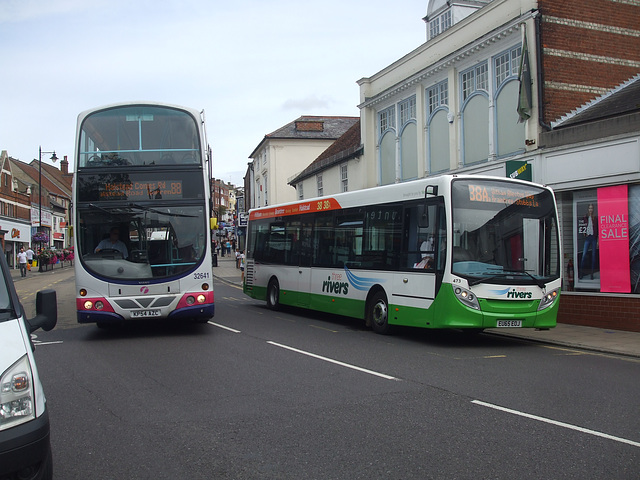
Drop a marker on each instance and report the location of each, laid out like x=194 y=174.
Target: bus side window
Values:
x=323 y=240
x=419 y=246
x=441 y=241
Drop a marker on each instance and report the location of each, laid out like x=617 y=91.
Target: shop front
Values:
x=597 y=187
x=13 y=236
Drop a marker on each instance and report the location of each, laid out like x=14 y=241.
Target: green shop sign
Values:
x=519 y=170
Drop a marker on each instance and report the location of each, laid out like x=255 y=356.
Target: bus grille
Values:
x=145 y=302
x=248 y=273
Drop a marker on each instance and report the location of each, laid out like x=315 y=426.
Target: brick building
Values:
x=221 y=197
x=15 y=213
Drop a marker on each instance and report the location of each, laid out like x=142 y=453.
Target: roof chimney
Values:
x=309 y=125
x=64 y=166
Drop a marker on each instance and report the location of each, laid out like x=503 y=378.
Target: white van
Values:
x=25 y=450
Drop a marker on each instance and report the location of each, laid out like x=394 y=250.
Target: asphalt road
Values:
x=292 y=394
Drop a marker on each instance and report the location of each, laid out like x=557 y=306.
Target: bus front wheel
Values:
x=273 y=294
x=379 y=313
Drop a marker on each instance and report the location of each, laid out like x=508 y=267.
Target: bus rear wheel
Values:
x=378 y=313
x=273 y=294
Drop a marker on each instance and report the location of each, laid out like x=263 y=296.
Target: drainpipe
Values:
x=537 y=19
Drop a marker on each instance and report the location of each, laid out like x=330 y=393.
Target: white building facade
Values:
x=286 y=152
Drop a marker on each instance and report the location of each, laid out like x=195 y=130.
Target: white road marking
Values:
x=336 y=362
x=225 y=328
x=38 y=343
x=559 y=424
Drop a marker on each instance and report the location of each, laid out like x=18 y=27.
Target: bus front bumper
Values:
x=194 y=312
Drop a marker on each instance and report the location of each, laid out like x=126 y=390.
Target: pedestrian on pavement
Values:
x=22 y=260
x=237 y=258
x=30 y=254
x=242 y=266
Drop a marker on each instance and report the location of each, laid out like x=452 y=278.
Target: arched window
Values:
x=408 y=139
x=510 y=134
x=438 y=127
x=475 y=113
x=387 y=144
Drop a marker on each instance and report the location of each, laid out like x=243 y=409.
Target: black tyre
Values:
x=273 y=294
x=47 y=471
x=378 y=313
x=472 y=332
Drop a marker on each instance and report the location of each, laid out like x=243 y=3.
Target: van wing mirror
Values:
x=46 y=311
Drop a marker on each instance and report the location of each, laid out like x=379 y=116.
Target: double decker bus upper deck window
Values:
x=140 y=136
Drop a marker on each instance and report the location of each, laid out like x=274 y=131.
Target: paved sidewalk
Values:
x=15 y=272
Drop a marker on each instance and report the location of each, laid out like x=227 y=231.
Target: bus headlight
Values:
x=88 y=305
x=16 y=395
x=548 y=299
x=467 y=297
x=201 y=298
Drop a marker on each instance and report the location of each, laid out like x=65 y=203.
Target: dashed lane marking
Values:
x=559 y=424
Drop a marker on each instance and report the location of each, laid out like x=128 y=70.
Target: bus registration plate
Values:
x=146 y=313
x=509 y=323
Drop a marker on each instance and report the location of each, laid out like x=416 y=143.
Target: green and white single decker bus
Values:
x=461 y=252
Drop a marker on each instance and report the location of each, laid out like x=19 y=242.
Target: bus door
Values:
x=415 y=283
x=304 y=244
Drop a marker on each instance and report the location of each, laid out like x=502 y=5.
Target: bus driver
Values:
x=113 y=243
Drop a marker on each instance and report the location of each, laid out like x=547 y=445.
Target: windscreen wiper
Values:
x=94 y=206
x=152 y=210
x=506 y=273
x=538 y=281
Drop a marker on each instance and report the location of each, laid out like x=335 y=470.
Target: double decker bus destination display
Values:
x=139 y=186
x=166 y=189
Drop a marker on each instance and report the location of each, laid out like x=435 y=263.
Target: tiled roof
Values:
x=347 y=146
x=619 y=101
x=32 y=173
x=63 y=181
x=311 y=128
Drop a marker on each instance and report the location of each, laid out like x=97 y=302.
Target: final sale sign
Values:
x=613 y=220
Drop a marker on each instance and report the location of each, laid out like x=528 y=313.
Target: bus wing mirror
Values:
x=430 y=191
x=423 y=213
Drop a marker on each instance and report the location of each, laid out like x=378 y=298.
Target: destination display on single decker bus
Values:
x=504 y=195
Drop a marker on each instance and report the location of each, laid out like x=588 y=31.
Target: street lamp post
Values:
x=53 y=159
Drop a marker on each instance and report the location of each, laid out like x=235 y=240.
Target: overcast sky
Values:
x=253 y=66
